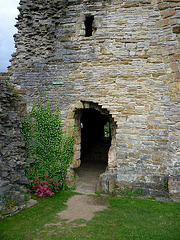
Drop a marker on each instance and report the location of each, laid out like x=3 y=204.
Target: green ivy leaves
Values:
x=46 y=143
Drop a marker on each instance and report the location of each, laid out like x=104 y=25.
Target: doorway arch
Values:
x=95 y=144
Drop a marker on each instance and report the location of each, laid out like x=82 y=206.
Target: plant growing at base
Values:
x=165 y=184
x=46 y=142
x=10 y=204
x=47 y=187
x=132 y=192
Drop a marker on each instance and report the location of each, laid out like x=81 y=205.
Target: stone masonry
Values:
x=126 y=66
x=13 y=181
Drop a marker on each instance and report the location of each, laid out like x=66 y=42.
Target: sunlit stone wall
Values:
x=129 y=66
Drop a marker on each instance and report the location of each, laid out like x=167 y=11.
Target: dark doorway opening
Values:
x=95 y=138
x=95 y=131
x=88 y=25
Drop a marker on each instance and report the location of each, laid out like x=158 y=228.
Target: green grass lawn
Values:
x=123 y=219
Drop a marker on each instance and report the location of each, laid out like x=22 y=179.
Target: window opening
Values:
x=107 y=130
x=88 y=25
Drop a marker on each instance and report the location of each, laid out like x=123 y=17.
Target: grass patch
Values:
x=29 y=222
x=124 y=219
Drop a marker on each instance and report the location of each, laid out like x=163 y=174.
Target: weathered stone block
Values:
x=163 y=22
x=174 y=187
x=168 y=13
x=130 y=4
x=176 y=29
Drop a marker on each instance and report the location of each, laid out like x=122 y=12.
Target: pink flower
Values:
x=51 y=194
x=42 y=167
x=40 y=195
x=48 y=192
x=45 y=188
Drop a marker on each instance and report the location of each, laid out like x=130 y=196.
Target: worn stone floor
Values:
x=88 y=177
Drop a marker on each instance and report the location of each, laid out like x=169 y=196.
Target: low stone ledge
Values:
x=17 y=209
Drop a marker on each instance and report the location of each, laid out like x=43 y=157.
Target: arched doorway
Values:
x=95 y=144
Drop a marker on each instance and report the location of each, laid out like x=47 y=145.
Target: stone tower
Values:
x=109 y=64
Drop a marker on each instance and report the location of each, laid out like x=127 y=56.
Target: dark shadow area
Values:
x=95 y=143
x=88 y=25
x=88 y=174
x=95 y=138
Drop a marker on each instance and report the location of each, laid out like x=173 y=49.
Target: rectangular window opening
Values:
x=88 y=25
x=107 y=130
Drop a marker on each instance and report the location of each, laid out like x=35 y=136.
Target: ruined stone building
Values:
x=13 y=164
x=113 y=67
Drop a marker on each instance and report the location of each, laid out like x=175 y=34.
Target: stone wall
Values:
x=174 y=189
x=12 y=153
x=128 y=68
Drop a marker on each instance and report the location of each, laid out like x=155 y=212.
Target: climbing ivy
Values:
x=46 y=143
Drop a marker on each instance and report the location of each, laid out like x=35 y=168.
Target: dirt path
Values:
x=79 y=207
x=88 y=177
x=82 y=207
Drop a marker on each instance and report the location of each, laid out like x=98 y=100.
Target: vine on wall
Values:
x=49 y=146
